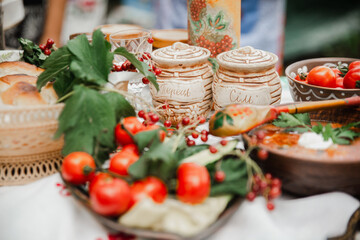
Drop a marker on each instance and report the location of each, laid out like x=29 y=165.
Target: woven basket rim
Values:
x=30 y=108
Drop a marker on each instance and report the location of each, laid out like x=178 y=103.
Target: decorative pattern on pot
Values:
x=214 y=24
x=246 y=76
x=184 y=83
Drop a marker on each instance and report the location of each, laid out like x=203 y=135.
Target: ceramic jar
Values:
x=246 y=76
x=184 y=83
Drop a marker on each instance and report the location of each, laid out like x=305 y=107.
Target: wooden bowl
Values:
x=301 y=91
x=308 y=174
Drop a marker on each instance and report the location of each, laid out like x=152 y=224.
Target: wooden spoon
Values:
x=236 y=119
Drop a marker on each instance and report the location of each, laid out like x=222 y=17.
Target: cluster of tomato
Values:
x=110 y=193
x=324 y=76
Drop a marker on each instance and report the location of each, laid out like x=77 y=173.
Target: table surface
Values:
x=45 y=210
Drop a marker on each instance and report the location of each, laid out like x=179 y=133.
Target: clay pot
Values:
x=246 y=76
x=185 y=82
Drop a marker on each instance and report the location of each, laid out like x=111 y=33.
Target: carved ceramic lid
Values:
x=247 y=59
x=180 y=54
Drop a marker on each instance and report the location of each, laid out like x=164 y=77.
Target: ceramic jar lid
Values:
x=247 y=59
x=180 y=54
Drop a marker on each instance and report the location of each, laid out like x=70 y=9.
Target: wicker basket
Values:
x=27 y=148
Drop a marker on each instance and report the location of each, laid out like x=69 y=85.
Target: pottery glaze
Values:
x=246 y=76
x=184 y=83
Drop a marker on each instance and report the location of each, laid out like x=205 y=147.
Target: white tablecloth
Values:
x=44 y=210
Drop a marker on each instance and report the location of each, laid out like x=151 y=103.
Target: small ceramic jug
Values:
x=246 y=76
x=184 y=83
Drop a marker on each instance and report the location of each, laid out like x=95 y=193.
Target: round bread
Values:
x=9 y=80
x=18 y=67
x=22 y=94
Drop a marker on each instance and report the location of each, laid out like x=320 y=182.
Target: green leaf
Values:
x=158 y=161
x=210 y=22
x=292 y=120
x=87 y=121
x=145 y=138
x=55 y=64
x=327 y=132
x=91 y=63
x=141 y=66
x=121 y=106
x=64 y=83
x=219 y=120
x=236 y=177
x=318 y=128
x=32 y=53
x=229 y=120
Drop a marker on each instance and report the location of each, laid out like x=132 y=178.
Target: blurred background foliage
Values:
x=321 y=28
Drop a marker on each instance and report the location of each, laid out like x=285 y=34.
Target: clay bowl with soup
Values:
x=305 y=171
x=302 y=91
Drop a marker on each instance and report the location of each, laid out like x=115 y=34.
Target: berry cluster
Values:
x=196 y=7
x=46 y=48
x=225 y=44
x=150 y=118
x=267 y=186
x=128 y=66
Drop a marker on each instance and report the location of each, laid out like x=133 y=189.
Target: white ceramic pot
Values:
x=246 y=76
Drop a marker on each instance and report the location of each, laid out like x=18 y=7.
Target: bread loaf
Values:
x=18 y=67
x=22 y=94
x=18 y=86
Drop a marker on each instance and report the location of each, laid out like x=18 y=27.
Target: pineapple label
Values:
x=180 y=90
x=225 y=94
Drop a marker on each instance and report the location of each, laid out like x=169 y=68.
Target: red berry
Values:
x=256 y=188
x=220 y=176
x=195 y=134
x=202 y=119
x=262 y=154
x=124 y=66
x=154 y=118
x=47 y=51
x=270 y=206
x=49 y=43
x=178 y=126
x=117 y=68
x=274 y=192
x=260 y=135
x=204 y=138
x=42 y=47
x=185 y=121
x=165 y=106
x=141 y=59
x=190 y=143
x=251 y=196
x=141 y=114
x=204 y=132
x=157 y=71
x=145 y=80
x=268 y=176
x=150 y=40
x=263 y=185
x=223 y=142
x=213 y=149
x=276 y=182
x=167 y=123
x=146 y=55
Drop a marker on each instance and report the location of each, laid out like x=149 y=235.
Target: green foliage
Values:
x=32 y=53
x=236 y=177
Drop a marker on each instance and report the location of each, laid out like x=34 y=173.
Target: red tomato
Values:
x=110 y=196
x=78 y=167
x=322 y=76
x=131 y=148
x=352 y=78
x=121 y=161
x=300 y=78
x=132 y=125
x=98 y=178
x=193 y=183
x=355 y=64
x=340 y=82
x=149 y=187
